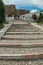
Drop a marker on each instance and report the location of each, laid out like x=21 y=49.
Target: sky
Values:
x=26 y=4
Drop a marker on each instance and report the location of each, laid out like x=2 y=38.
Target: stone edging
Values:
x=4 y=30
x=36 y=25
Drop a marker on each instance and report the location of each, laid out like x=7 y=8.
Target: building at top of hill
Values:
x=20 y=12
x=11 y=10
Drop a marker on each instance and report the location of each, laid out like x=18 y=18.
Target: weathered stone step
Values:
x=24 y=33
x=27 y=37
x=15 y=50
x=4 y=38
x=22 y=30
x=19 y=22
x=23 y=44
x=21 y=62
x=20 y=53
x=22 y=27
x=21 y=56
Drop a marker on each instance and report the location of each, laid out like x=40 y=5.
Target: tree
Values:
x=34 y=17
x=41 y=15
x=2 y=12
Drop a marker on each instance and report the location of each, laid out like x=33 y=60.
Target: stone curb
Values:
x=4 y=30
x=36 y=25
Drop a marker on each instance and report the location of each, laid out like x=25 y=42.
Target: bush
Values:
x=40 y=19
x=2 y=13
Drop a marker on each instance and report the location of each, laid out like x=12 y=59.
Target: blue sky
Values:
x=26 y=4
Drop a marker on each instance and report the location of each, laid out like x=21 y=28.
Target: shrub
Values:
x=40 y=19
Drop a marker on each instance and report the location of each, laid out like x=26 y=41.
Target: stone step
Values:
x=19 y=22
x=21 y=53
x=4 y=38
x=22 y=30
x=21 y=43
x=17 y=50
x=24 y=33
x=24 y=37
x=22 y=27
x=21 y=56
x=21 y=62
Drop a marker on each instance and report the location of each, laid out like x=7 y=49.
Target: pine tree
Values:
x=2 y=12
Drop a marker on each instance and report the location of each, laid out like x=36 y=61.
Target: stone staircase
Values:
x=22 y=45
x=23 y=28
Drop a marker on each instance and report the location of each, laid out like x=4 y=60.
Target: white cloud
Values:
x=12 y=1
x=38 y=3
x=33 y=11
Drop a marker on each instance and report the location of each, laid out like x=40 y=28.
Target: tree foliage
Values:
x=34 y=17
x=2 y=12
x=40 y=19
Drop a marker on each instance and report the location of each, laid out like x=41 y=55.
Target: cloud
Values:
x=38 y=3
x=12 y=1
x=33 y=11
